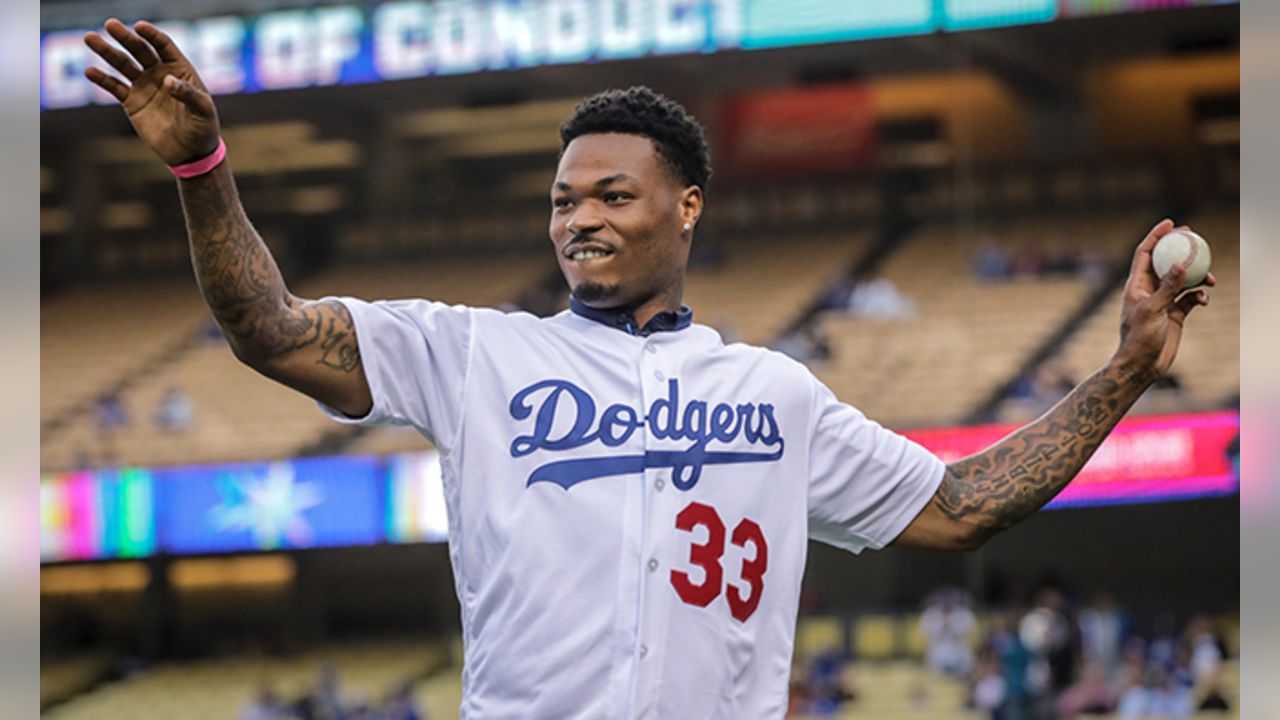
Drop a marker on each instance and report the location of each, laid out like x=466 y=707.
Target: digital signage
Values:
x=97 y=515
x=359 y=500
x=285 y=505
x=351 y=44
x=416 y=506
x=1145 y=459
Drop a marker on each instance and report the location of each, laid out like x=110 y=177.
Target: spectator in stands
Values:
x=880 y=298
x=1104 y=627
x=1094 y=268
x=326 y=700
x=1029 y=263
x=1092 y=694
x=807 y=344
x=1205 y=653
x=948 y=625
x=1048 y=636
x=266 y=706
x=1015 y=665
x=402 y=705
x=989 y=692
x=992 y=262
x=1158 y=695
x=111 y=418
x=175 y=412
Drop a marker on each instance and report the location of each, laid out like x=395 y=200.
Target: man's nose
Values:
x=585 y=220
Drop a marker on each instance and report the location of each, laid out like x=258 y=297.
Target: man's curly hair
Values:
x=641 y=111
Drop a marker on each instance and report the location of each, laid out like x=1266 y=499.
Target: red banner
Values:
x=821 y=129
x=1160 y=457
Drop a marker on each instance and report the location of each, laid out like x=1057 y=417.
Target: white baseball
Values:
x=1181 y=246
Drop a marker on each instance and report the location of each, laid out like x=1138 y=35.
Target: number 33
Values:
x=707 y=556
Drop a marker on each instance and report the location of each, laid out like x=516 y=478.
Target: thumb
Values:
x=196 y=100
x=1170 y=285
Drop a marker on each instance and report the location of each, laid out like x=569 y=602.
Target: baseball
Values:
x=1182 y=246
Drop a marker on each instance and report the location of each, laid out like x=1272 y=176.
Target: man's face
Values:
x=617 y=221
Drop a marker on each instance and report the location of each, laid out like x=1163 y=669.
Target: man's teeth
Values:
x=589 y=254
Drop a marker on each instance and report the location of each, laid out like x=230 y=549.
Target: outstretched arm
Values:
x=307 y=345
x=988 y=492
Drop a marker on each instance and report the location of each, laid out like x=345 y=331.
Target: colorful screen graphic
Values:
x=1145 y=459
x=313 y=502
x=416 y=507
x=97 y=515
x=350 y=44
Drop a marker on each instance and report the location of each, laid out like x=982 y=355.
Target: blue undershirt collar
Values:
x=624 y=320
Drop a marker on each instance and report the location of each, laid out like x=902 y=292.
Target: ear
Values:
x=690 y=206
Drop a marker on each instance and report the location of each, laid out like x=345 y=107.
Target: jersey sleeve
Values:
x=866 y=482
x=416 y=356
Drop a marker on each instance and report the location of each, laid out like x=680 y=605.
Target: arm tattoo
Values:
x=244 y=288
x=1017 y=476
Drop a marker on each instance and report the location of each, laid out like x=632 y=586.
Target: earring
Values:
x=687 y=227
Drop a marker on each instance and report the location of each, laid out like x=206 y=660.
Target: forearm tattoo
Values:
x=244 y=288
x=1017 y=476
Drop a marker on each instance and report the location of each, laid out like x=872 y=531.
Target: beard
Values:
x=592 y=293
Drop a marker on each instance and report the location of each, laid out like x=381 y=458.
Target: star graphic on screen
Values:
x=269 y=506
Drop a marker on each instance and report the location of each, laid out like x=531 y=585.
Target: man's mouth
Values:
x=583 y=255
x=586 y=252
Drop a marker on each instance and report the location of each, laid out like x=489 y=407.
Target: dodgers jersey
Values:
x=629 y=508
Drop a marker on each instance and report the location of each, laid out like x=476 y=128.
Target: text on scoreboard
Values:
x=351 y=44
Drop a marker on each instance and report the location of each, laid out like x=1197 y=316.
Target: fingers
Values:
x=163 y=44
x=195 y=99
x=1170 y=285
x=1185 y=304
x=1142 y=255
x=139 y=48
x=114 y=56
x=118 y=89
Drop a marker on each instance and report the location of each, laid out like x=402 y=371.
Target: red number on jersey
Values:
x=705 y=556
x=752 y=570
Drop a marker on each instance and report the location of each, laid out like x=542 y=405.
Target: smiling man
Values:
x=630 y=499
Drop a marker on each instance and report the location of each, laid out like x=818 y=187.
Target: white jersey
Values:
x=629 y=509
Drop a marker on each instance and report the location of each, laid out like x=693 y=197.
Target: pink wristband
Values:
x=203 y=165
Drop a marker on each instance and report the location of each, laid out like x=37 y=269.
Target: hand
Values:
x=1152 y=319
x=167 y=103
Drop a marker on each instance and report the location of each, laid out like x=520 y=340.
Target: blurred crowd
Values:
x=327 y=700
x=1058 y=661
x=1051 y=661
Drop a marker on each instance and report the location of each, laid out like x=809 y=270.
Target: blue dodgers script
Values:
x=666 y=419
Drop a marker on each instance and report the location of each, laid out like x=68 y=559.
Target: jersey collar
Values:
x=624 y=320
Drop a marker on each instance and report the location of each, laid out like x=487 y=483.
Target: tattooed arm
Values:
x=988 y=492
x=307 y=345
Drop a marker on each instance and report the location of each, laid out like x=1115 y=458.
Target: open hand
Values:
x=1155 y=310
x=167 y=103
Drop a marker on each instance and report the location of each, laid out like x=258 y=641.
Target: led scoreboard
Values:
x=347 y=44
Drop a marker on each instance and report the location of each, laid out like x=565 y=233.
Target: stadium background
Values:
x=932 y=202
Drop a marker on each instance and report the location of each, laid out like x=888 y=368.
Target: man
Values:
x=629 y=499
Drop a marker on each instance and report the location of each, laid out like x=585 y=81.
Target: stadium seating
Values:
x=1208 y=363
x=969 y=335
x=216 y=689
x=238 y=414
x=92 y=337
x=765 y=282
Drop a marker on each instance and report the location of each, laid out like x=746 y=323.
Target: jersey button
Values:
x=653 y=564
x=659 y=484
x=644 y=650
x=658 y=374
x=651 y=348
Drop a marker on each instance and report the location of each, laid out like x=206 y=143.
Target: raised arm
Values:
x=305 y=344
x=988 y=492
